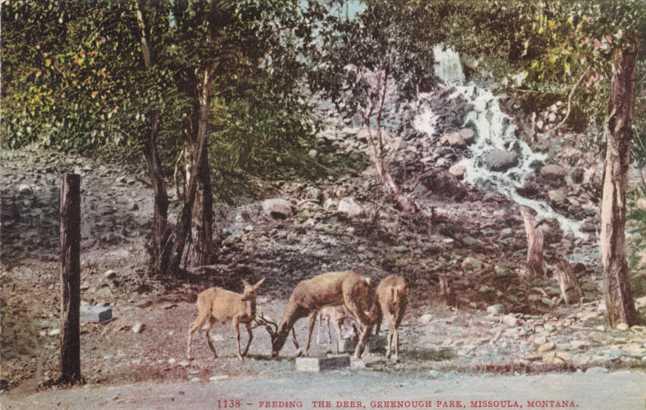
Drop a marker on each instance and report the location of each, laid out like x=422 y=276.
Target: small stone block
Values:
x=95 y=313
x=318 y=364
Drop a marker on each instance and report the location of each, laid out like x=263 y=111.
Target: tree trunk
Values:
x=160 y=244
x=201 y=252
x=534 y=245
x=619 y=301
x=183 y=228
x=70 y=242
x=159 y=252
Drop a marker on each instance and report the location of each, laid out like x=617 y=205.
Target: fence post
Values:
x=70 y=240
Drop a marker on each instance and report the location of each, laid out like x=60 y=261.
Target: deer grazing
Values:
x=349 y=289
x=337 y=316
x=221 y=305
x=392 y=298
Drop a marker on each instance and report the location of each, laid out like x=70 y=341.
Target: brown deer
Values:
x=221 y=305
x=349 y=289
x=337 y=316
x=392 y=298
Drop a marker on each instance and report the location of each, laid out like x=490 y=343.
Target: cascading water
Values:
x=493 y=130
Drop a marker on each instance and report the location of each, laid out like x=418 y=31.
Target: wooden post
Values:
x=70 y=240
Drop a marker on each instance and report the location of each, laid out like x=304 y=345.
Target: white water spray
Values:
x=493 y=129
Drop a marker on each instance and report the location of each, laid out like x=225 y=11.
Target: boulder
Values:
x=277 y=208
x=500 y=160
x=453 y=139
x=350 y=207
x=554 y=172
x=467 y=134
x=457 y=170
x=557 y=196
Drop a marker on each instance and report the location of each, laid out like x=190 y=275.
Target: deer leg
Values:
x=236 y=328
x=337 y=328
x=391 y=334
x=209 y=341
x=310 y=330
x=378 y=325
x=198 y=323
x=250 y=334
x=363 y=340
x=396 y=358
x=318 y=331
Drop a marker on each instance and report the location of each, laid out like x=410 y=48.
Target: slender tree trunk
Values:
x=534 y=245
x=377 y=143
x=159 y=247
x=202 y=250
x=619 y=301
x=70 y=242
x=183 y=228
x=159 y=242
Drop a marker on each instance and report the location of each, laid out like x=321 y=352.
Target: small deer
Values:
x=336 y=315
x=392 y=298
x=221 y=305
x=349 y=289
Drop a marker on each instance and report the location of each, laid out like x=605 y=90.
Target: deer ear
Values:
x=257 y=285
x=245 y=283
x=367 y=280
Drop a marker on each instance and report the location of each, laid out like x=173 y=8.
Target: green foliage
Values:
x=75 y=79
x=386 y=37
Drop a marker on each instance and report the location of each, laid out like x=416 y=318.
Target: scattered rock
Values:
x=95 y=313
x=510 y=320
x=110 y=274
x=277 y=208
x=546 y=347
x=454 y=139
x=425 y=318
x=54 y=332
x=138 y=327
x=471 y=263
x=579 y=344
x=434 y=374
x=467 y=134
x=622 y=326
x=554 y=172
x=496 y=309
x=350 y=207
x=457 y=170
x=557 y=196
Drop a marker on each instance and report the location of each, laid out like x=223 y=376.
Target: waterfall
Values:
x=493 y=129
x=447 y=65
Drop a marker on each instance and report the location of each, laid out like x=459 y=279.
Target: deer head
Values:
x=249 y=296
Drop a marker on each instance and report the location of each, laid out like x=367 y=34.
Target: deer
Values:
x=335 y=315
x=221 y=305
x=349 y=289
x=392 y=298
